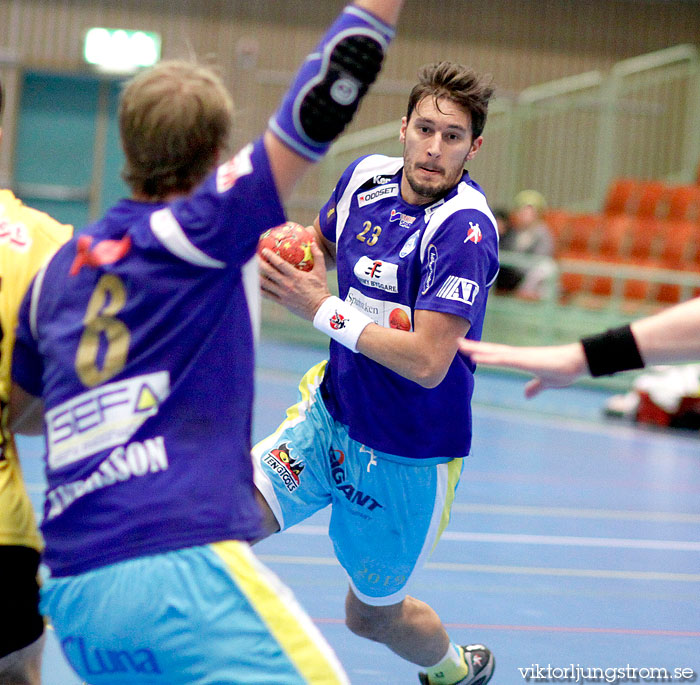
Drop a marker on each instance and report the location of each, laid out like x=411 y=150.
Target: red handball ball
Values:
x=399 y=319
x=292 y=242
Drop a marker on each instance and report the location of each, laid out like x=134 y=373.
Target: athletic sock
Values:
x=451 y=669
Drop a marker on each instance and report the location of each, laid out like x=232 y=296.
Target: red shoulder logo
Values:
x=474 y=234
x=104 y=252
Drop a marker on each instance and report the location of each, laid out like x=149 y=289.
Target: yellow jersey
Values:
x=28 y=238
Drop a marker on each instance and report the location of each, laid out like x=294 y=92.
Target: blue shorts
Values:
x=387 y=512
x=206 y=615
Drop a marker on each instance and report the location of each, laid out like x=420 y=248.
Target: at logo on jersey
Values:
x=409 y=245
x=368 y=197
x=459 y=289
x=287 y=467
x=375 y=273
x=474 y=234
x=432 y=263
x=229 y=172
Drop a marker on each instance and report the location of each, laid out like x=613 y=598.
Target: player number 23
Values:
x=107 y=300
x=366 y=228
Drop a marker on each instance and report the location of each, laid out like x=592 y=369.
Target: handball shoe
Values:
x=481 y=666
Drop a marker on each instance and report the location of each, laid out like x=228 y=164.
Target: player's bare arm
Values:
x=553 y=367
x=327 y=247
x=423 y=355
x=670 y=336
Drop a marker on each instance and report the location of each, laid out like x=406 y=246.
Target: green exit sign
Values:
x=120 y=50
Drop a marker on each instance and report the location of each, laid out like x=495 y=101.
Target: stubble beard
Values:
x=431 y=192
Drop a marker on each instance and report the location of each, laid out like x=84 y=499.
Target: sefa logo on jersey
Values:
x=404 y=220
x=229 y=172
x=103 y=417
x=459 y=289
x=432 y=264
x=474 y=234
x=375 y=273
x=368 y=197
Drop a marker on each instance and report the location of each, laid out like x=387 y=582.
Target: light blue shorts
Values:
x=203 y=615
x=387 y=513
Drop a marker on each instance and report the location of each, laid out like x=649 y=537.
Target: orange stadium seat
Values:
x=621 y=197
x=652 y=195
x=645 y=238
x=584 y=236
x=684 y=202
x=679 y=252
x=559 y=222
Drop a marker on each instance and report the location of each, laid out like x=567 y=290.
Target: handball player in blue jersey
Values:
x=382 y=428
x=138 y=338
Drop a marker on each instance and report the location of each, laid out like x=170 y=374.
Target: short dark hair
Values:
x=458 y=83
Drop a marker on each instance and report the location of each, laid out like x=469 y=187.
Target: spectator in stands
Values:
x=502 y=222
x=527 y=234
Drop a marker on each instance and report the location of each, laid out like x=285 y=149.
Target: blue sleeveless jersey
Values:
x=392 y=259
x=138 y=337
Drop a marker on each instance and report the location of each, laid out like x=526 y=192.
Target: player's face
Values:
x=437 y=142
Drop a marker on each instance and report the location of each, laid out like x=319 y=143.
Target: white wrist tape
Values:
x=341 y=321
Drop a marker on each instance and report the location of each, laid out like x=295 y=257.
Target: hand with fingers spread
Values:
x=553 y=367
x=301 y=292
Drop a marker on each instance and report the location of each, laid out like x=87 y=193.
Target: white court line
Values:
x=574 y=541
x=522 y=539
x=565 y=423
x=513 y=570
x=567 y=512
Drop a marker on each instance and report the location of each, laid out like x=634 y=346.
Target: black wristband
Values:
x=612 y=351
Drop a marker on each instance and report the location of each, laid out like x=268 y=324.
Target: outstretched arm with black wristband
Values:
x=672 y=335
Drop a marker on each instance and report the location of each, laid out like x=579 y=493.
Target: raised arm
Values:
x=328 y=88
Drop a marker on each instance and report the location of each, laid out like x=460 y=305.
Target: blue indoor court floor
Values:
x=574 y=541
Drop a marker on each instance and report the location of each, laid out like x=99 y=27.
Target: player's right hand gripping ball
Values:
x=292 y=242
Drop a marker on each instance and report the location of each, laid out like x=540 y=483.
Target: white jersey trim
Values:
x=466 y=198
x=166 y=228
x=374 y=165
x=34 y=303
x=251 y=285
